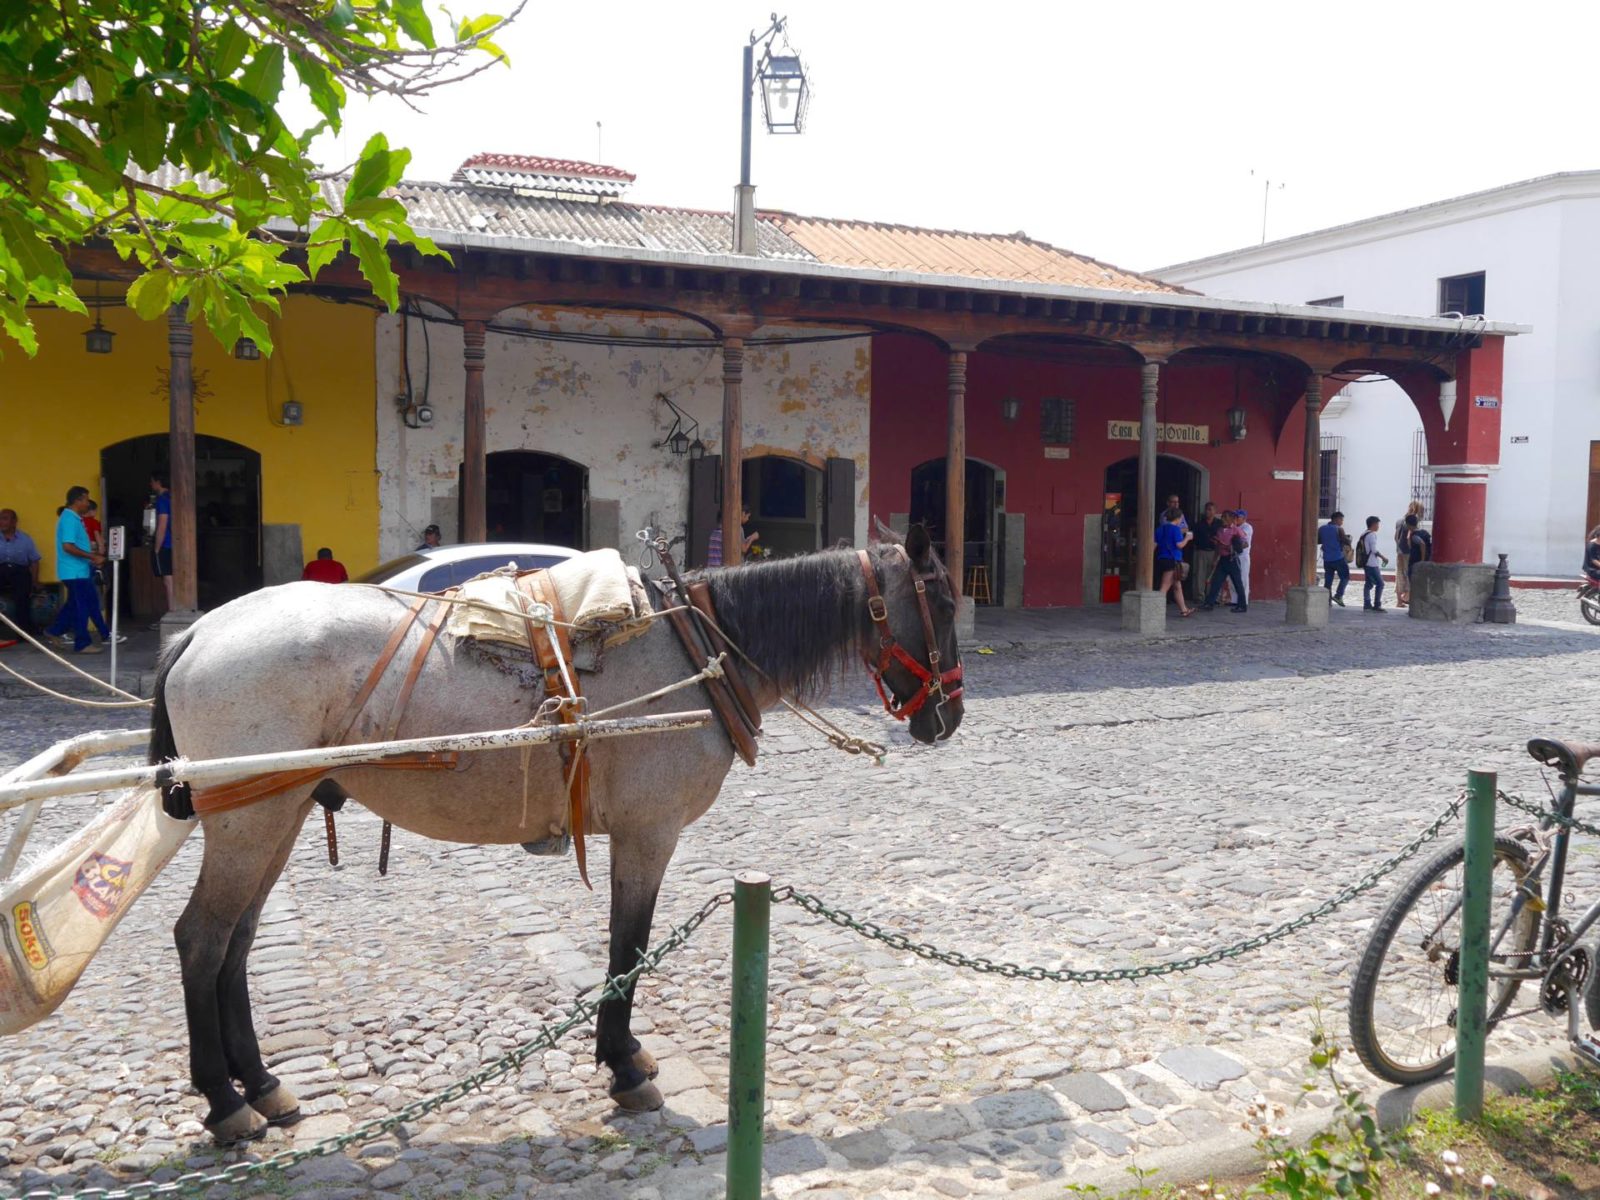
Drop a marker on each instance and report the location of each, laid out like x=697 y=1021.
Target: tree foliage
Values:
x=164 y=129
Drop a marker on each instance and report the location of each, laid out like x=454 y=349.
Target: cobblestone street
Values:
x=1106 y=803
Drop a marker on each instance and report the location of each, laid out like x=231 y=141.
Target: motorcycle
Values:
x=1589 y=600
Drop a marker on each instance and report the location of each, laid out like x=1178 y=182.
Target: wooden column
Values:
x=1311 y=498
x=732 y=450
x=1144 y=535
x=181 y=457
x=955 y=473
x=474 y=461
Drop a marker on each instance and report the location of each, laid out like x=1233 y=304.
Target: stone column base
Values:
x=1308 y=606
x=1454 y=592
x=966 y=619
x=175 y=623
x=1144 y=612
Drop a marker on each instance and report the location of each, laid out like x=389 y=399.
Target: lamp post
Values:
x=785 y=94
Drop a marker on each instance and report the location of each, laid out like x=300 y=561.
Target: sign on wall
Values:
x=1186 y=435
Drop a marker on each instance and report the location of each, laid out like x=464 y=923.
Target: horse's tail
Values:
x=175 y=798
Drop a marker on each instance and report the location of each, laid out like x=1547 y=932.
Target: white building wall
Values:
x=594 y=403
x=1538 y=497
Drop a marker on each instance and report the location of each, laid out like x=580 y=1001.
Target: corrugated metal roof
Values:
x=533 y=165
x=1013 y=256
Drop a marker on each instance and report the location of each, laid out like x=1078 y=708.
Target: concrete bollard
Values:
x=1501 y=609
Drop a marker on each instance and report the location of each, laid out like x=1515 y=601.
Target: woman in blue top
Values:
x=1171 y=538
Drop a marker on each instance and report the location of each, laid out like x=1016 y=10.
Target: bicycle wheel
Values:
x=1403 y=998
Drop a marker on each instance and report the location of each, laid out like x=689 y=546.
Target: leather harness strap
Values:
x=723 y=700
x=934 y=682
x=263 y=787
x=749 y=711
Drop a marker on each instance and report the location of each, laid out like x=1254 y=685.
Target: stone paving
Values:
x=1106 y=803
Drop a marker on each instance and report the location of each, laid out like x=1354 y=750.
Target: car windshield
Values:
x=391 y=568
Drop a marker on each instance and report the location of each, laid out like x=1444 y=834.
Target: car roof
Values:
x=484 y=549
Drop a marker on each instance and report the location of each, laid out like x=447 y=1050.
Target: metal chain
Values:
x=584 y=1010
x=986 y=966
x=1544 y=814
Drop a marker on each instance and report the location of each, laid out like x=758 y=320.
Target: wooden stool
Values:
x=977 y=588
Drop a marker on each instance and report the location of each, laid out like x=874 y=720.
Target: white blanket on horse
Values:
x=599 y=595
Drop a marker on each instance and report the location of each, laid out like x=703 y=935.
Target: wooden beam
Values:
x=474 y=458
x=732 y=451
x=181 y=459
x=955 y=470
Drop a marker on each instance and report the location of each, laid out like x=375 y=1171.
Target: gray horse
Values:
x=275 y=670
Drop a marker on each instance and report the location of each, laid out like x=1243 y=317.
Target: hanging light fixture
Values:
x=697 y=450
x=1010 y=407
x=1236 y=428
x=246 y=349
x=684 y=436
x=97 y=339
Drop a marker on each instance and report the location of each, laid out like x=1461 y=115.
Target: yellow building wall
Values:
x=59 y=409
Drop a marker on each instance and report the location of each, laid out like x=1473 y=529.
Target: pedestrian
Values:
x=325 y=568
x=1419 y=547
x=161 y=540
x=430 y=538
x=19 y=571
x=1170 y=541
x=75 y=564
x=1246 y=531
x=1402 y=555
x=1231 y=545
x=1332 y=538
x=1368 y=556
x=1205 y=532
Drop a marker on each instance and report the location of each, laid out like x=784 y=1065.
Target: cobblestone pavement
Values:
x=1103 y=805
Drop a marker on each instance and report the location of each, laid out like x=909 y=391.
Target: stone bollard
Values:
x=1501 y=610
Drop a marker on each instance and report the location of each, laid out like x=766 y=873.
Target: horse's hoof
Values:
x=279 y=1106
x=644 y=1097
x=645 y=1063
x=244 y=1124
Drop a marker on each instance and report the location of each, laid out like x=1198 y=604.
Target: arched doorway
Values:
x=786 y=501
x=1174 y=477
x=227 y=517
x=986 y=500
x=533 y=497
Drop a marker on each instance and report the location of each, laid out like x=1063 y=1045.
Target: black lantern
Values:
x=679 y=442
x=246 y=349
x=784 y=92
x=684 y=436
x=697 y=450
x=1236 y=429
x=97 y=340
x=1010 y=407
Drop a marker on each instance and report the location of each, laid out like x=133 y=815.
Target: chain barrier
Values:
x=986 y=966
x=1545 y=814
x=547 y=1037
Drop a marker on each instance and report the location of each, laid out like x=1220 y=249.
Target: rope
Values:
x=72 y=699
x=94 y=679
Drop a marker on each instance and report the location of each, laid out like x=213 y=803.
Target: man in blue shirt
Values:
x=75 y=564
x=161 y=544
x=19 y=574
x=1332 y=538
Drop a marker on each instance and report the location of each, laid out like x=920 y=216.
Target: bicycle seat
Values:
x=1568 y=758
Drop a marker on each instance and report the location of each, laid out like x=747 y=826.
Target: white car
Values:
x=442 y=567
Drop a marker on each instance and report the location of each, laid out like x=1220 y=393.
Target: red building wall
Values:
x=908 y=427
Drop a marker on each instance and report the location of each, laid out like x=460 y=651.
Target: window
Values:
x=1056 y=418
x=1327 y=302
x=1328 y=499
x=1421 y=480
x=1462 y=294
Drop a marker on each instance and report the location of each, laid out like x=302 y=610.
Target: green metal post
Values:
x=1472 y=1001
x=747 y=1047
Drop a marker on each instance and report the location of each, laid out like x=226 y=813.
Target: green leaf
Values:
x=38 y=260
x=415 y=21
x=263 y=78
x=375 y=267
x=378 y=168
x=144 y=129
x=232 y=43
x=325 y=243
x=376 y=210
x=327 y=93
x=151 y=294
x=471 y=27
x=341 y=15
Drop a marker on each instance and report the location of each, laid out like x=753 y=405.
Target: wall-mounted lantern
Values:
x=246 y=350
x=1010 y=408
x=97 y=340
x=684 y=436
x=1236 y=427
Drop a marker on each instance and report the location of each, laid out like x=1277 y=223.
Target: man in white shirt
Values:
x=1243 y=526
x=1368 y=556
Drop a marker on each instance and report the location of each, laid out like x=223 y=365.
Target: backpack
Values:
x=1361 y=552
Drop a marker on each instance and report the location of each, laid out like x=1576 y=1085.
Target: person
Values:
x=1170 y=541
x=1419 y=547
x=1231 y=545
x=325 y=568
x=714 y=543
x=1205 y=532
x=750 y=535
x=1591 y=554
x=1246 y=531
x=161 y=542
x=1368 y=556
x=75 y=563
x=1332 y=538
x=430 y=538
x=19 y=571
x=92 y=526
x=1402 y=555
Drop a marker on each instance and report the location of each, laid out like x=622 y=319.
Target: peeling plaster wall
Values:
x=595 y=404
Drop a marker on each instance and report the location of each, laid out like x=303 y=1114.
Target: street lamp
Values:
x=785 y=95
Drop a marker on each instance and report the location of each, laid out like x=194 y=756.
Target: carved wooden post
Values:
x=955 y=473
x=1311 y=498
x=1144 y=534
x=474 y=460
x=732 y=450
x=181 y=457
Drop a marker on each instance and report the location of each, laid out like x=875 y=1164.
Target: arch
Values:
x=983 y=539
x=531 y=496
x=787 y=500
x=227 y=516
x=1183 y=477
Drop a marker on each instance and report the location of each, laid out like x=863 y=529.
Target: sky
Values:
x=1143 y=134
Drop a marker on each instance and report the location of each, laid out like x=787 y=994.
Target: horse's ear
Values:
x=886 y=534
x=918 y=544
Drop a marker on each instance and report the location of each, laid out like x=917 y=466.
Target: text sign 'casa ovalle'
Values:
x=1188 y=435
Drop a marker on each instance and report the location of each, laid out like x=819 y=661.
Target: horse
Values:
x=276 y=670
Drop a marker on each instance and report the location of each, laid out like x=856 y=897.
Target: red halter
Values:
x=933 y=681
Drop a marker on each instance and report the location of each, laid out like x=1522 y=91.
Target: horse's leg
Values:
x=239 y=849
x=638 y=862
x=262 y=1091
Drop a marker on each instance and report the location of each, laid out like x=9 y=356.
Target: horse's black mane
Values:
x=801 y=619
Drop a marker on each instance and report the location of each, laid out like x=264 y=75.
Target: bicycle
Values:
x=1403 y=997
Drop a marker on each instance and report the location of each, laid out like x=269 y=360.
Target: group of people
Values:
x=1412 y=544
x=1221 y=544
